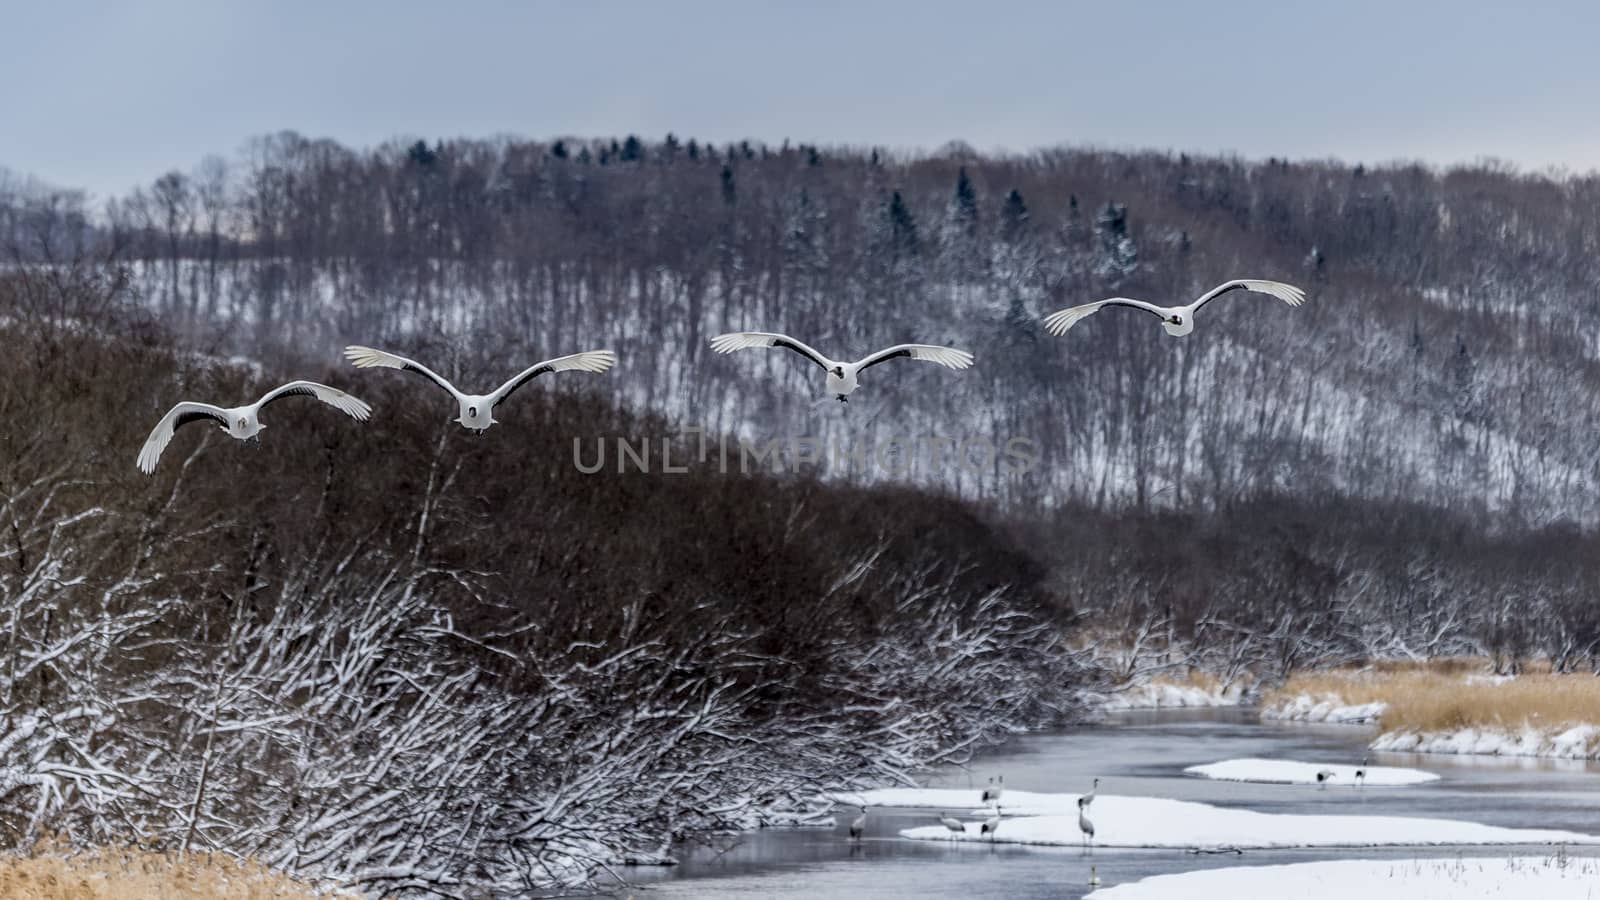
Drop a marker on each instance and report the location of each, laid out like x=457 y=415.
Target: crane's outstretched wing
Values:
x=176 y=418
x=739 y=340
x=1288 y=293
x=949 y=357
x=1057 y=323
x=366 y=358
x=587 y=361
x=334 y=397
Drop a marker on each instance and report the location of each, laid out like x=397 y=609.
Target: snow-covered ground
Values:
x=1166 y=695
x=1287 y=771
x=1554 y=877
x=1153 y=822
x=1326 y=708
x=961 y=802
x=1578 y=742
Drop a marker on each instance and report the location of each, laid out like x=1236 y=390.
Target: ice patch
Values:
x=1153 y=822
x=1285 y=771
x=1555 y=877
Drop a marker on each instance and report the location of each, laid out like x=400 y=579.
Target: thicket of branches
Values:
x=435 y=663
x=1273 y=585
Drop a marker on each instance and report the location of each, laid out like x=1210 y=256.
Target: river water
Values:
x=1139 y=754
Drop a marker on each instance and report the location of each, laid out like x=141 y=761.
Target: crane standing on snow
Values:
x=1084 y=825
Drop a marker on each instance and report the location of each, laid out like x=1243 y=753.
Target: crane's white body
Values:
x=992 y=793
x=1176 y=320
x=952 y=823
x=476 y=411
x=1084 y=825
x=991 y=824
x=843 y=377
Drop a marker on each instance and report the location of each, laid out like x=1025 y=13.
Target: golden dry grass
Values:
x=1455 y=694
x=51 y=873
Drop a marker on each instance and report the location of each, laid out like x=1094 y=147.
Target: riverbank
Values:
x=1453 y=708
x=1552 y=877
x=1194 y=690
x=129 y=873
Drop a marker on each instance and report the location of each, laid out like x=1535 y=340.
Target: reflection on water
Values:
x=1138 y=753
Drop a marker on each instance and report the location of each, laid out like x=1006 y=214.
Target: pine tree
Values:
x=632 y=149
x=729 y=193
x=902 y=227
x=420 y=155
x=966 y=204
x=1013 y=217
x=559 y=150
x=1118 y=255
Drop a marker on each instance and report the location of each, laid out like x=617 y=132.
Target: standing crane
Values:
x=1085 y=826
x=991 y=794
x=991 y=824
x=858 y=826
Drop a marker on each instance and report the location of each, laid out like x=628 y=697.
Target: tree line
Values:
x=1447 y=354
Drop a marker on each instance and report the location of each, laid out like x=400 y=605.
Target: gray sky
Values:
x=107 y=95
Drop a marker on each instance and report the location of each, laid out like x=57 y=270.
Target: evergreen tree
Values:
x=559 y=150
x=694 y=150
x=420 y=155
x=1118 y=255
x=1013 y=217
x=966 y=204
x=902 y=227
x=632 y=149
x=729 y=193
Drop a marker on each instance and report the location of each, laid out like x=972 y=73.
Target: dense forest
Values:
x=439 y=663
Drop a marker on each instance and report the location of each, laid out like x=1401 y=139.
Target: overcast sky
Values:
x=107 y=95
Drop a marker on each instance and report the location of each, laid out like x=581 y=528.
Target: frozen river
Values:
x=1140 y=754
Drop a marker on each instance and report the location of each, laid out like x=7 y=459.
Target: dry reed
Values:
x=115 y=873
x=1453 y=694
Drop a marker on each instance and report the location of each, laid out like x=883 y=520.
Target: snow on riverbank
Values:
x=1166 y=695
x=1326 y=708
x=1286 y=771
x=1580 y=742
x=1553 y=877
x=1153 y=822
x=1565 y=741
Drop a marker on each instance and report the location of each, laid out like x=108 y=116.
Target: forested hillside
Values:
x=1447 y=354
x=429 y=661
